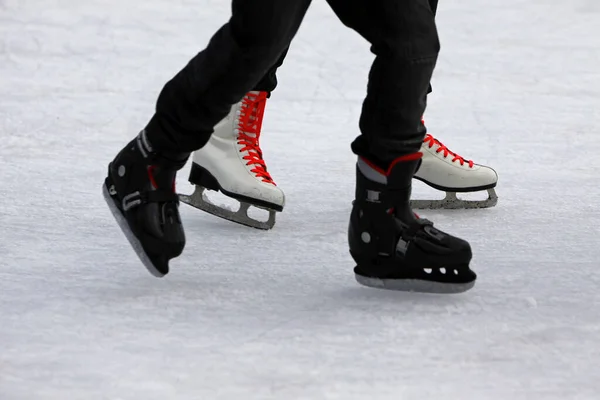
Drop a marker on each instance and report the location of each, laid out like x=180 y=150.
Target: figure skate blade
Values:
x=199 y=200
x=452 y=202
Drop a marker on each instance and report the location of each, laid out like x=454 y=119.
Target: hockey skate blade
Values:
x=133 y=241
x=452 y=202
x=199 y=201
x=414 y=285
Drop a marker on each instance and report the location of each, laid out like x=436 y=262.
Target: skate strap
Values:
x=411 y=231
x=159 y=196
x=394 y=197
x=155 y=196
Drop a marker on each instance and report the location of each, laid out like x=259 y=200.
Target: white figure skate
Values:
x=232 y=163
x=445 y=170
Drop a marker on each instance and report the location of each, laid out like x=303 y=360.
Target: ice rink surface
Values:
x=248 y=314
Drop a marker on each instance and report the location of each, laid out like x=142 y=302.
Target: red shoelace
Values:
x=431 y=141
x=249 y=126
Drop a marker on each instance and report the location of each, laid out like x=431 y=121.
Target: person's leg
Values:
x=433 y=5
x=232 y=161
x=140 y=186
x=268 y=83
x=445 y=170
x=404 y=39
x=235 y=60
x=392 y=247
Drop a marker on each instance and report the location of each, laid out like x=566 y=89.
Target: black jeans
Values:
x=268 y=83
x=403 y=37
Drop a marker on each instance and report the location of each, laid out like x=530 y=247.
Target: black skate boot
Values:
x=392 y=247
x=140 y=192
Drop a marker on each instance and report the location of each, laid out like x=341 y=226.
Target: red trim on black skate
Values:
x=151 y=176
x=153 y=181
x=409 y=157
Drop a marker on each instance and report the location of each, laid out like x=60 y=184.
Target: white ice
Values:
x=248 y=314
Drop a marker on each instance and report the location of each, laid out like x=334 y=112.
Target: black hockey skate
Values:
x=140 y=192
x=392 y=247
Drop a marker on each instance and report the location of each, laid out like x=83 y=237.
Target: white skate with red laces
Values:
x=232 y=163
x=445 y=170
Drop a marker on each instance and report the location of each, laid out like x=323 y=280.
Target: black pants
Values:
x=403 y=37
x=268 y=83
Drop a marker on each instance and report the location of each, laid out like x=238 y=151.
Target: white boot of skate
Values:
x=445 y=170
x=232 y=163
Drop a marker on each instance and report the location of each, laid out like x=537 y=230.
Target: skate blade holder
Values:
x=452 y=202
x=199 y=200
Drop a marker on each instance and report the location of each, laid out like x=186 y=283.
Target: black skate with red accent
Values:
x=140 y=192
x=392 y=247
